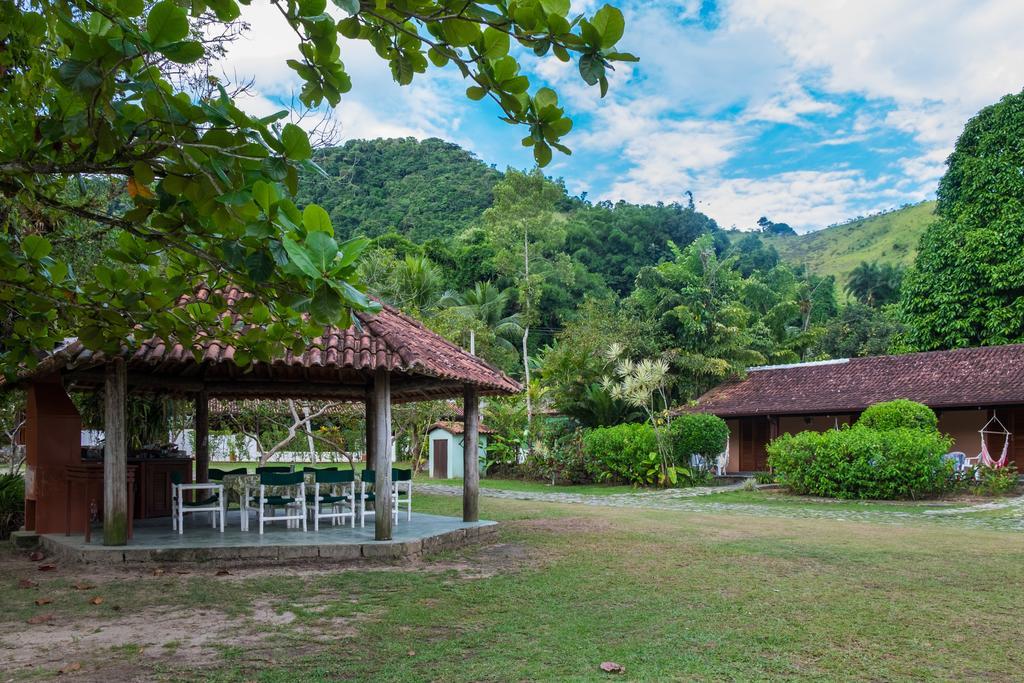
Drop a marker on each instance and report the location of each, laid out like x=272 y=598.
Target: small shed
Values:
x=446 y=448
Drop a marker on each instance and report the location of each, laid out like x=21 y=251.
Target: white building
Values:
x=446 y=441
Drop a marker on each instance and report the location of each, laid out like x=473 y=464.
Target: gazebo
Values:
x=381 y=359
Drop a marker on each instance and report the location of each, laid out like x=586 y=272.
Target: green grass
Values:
x=672 y=596
x=892 y=237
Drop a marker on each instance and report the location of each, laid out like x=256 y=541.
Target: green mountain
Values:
x=421 y=189
x=891 y=237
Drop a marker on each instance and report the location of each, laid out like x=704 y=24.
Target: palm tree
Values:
x=416 y=283
x=874 y=284
x=484 y=307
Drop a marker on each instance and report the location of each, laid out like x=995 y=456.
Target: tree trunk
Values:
x=526 y=377
x=472 y=341
x=202 y=437
x=381 y=449
x=115 y=458
x=470 y=456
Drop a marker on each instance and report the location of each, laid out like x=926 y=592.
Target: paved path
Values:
x=1005 y=514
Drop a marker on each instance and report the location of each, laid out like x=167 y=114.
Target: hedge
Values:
x=862 y=462
x=623 y=452
x=697 y=433
x=898 y=414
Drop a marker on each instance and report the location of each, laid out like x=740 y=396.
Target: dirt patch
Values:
x=560 y=525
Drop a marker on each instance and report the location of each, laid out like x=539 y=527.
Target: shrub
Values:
x=623 y=452
x=860 y=462
x=697 y=434
x=898 y=414
x=991 y=481
x=559 y=457
x=12 y=503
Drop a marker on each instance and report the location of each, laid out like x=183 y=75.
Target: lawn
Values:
x=669 y=595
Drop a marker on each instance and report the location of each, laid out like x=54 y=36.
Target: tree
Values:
x=528 y=235
x=966 y=287
x=99 y=94
x=484 y=307
x=771 y=228
x=875 y=284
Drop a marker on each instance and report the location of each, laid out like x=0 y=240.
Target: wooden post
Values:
x=381 y=458
x=115 y=455
x=470 y=455
x=202 y=437
x=369 y=429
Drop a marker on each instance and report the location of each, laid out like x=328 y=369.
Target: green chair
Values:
x=213 y=502
x=273 y=468
x=401 y=491
x=278 y=490
x=333 y=488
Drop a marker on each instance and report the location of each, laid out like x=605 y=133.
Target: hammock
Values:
x=985 y=456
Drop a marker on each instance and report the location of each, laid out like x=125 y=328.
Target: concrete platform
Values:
x=154 y=541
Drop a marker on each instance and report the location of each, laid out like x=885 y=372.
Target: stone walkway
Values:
x=1000 y=515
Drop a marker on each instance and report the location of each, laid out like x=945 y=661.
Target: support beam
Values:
x=470 y=455
x=115 y=457
x=202 y=437
x=381 y=454
x=370 y=465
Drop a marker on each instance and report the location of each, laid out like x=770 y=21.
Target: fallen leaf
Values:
x=27 y=583
x=182 y=571
x=40 y=619
x=47 y=567
x=73 y=666
x=43 y=601
x=412 y=653
x=612 y=668
x=158 y=572
x=96 y=601
x=36 y=556
x=82 y=586
x=222 y=572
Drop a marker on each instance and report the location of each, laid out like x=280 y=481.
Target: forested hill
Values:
x=887 y=238
x=419 y=189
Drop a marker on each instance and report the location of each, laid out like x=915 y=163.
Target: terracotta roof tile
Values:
x=982 y=376
x=389 y=339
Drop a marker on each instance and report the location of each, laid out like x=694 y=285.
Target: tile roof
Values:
x=991 y=375
x=425 y=364
x=457 y=427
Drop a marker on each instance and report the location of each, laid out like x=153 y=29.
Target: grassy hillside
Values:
x=892 y=237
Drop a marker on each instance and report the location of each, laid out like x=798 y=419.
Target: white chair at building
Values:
x=212 y=502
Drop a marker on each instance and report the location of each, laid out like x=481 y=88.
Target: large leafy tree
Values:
x=101 y=123
x=875 y=284
x=967 y=284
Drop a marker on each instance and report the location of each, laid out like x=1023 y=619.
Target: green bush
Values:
x=898 y=414
x=860 y=462
x=991 y=481
x=12 y=503
x=697 y=433
x=559 y=456
x=626 y=452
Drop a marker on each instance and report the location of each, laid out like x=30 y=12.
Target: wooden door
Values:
x=440 y=459
x=754 y=434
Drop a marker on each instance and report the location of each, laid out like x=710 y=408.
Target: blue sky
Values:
x=807 y=112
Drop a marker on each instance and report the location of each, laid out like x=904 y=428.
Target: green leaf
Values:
x=263 y=195
x=311 y=8
x=542 y=154
x=301 y=258
x=496 y=43
x=475 y=92
x=609 y=23
x=167 y=23
x=184 y=52
x=131 y=8
x=80 y=76
x=350 y=6
x=559 y=7
x=326 y=306
x=460 y=32
x=315 y=219
x=296 y=143
x=35 y=247
x=322 y=249
x=351 y=249
x=591 y=69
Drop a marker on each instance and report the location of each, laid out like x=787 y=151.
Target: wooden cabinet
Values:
x=153 y=487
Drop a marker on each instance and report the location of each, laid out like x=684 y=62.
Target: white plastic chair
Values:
x=293 y=500
x=212 y=502
x=344 y=491
x=401 y=492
